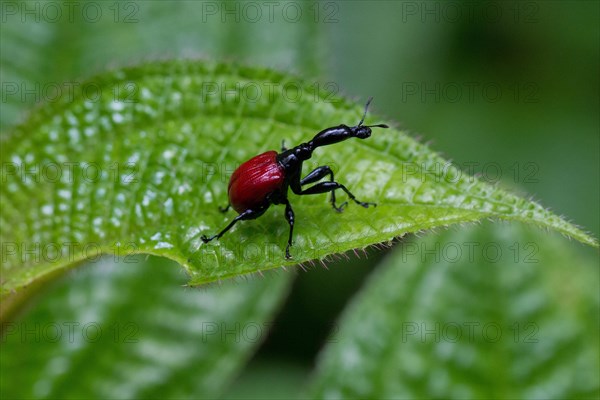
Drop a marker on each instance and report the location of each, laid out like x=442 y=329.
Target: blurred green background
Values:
x=509 y=89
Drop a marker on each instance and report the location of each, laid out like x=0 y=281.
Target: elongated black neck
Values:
x=331 y=135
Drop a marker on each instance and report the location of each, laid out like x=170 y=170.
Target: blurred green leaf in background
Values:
x=507 y=90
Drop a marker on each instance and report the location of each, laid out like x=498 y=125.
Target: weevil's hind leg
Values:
x=325 y=187
x=248 y=214
x=225 y=209
x=283 y=148
x=289 y=216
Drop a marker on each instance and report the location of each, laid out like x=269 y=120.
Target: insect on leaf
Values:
x=138 y=161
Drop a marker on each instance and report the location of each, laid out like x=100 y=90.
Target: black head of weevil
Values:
x=265 y=179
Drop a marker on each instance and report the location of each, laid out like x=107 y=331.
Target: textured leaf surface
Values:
x=485 y=312
x=138 y=160
x=130 y=330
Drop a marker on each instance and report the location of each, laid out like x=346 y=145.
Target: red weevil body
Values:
x=254 y=180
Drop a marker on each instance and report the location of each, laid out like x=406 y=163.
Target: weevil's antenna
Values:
x=365 y=115
x=366 y=109
x=377 y=126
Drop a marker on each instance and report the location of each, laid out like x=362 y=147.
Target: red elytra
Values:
x=254 y=180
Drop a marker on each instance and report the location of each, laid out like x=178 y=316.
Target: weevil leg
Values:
x=289 y=216
x=225 y=209
x=318 y=174
x=325 y=187
x=248 y=214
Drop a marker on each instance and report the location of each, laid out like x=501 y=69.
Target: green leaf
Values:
x=130 y=330
x=138 y=159
x=485 y=312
